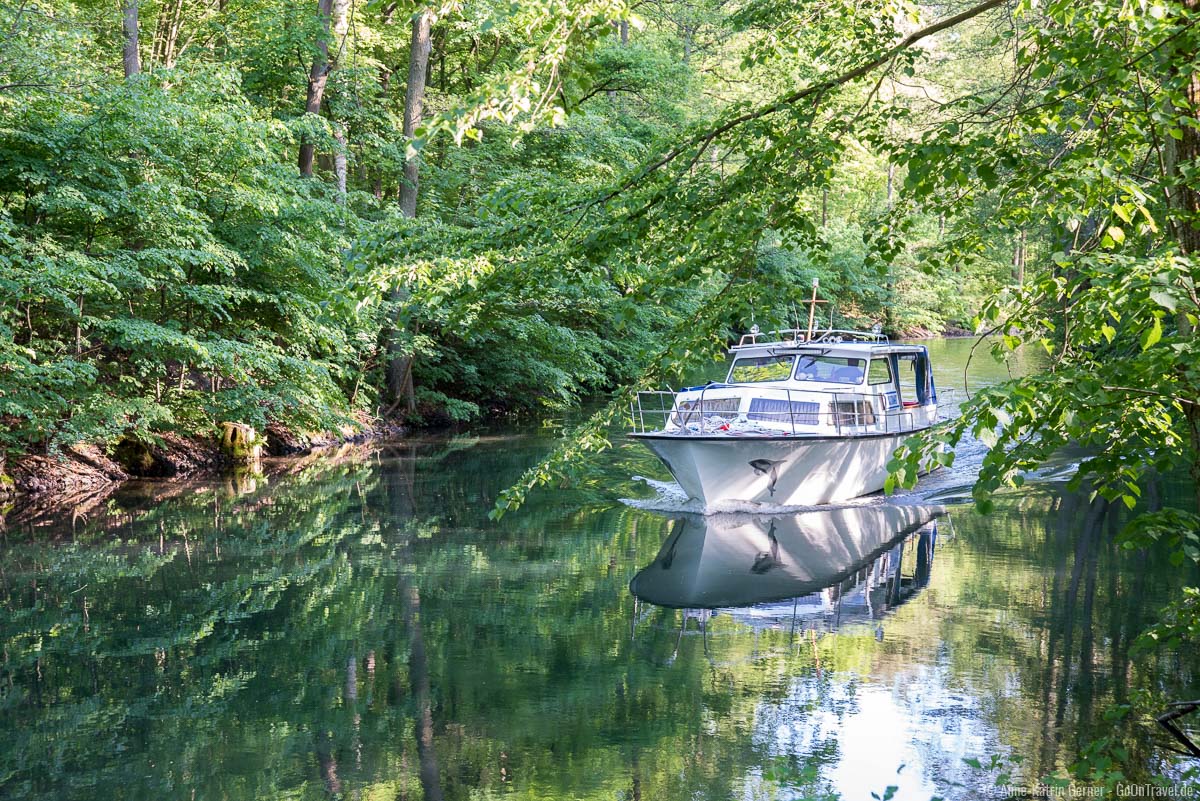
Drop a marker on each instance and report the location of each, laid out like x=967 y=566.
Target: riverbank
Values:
x=949 y=331
x=118 y=502
x=83 y=475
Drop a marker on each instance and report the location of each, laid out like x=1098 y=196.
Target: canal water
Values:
x=362 y=630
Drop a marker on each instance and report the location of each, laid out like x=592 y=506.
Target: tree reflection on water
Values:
x=364 y=631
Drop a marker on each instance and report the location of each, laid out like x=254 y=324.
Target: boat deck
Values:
x=755 y=410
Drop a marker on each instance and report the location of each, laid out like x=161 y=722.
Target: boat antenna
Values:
x=812 y=308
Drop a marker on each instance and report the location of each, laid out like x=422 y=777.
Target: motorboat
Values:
x=803 y=417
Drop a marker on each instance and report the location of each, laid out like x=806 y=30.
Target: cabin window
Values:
x=830 y=369
x=761 y=368
x=770 y=410
x=880 y=372
x=690 y=411
x=853 y=413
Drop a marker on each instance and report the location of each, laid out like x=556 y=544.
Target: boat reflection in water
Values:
x=813 y=571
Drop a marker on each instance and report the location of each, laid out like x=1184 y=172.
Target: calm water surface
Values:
x=363 y=631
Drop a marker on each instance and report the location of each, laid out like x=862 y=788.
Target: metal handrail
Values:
x=800 y=335
x=882 y=419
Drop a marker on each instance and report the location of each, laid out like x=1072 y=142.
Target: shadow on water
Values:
x=365 y=631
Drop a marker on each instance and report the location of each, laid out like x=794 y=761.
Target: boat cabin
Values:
x=834 y=383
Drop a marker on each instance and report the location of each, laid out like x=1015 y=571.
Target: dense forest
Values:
x=319 y=213
x=313 y=212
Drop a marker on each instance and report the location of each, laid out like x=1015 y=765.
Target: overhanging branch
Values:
x=703 y=139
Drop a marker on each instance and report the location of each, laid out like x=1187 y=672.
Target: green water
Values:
x=363 y=631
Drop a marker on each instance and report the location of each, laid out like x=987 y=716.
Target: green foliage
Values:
x=1179 y=626
x=696 y=339
x=163 y=268
x=1178 y=533
x=1174 y=529
x=1113 y=302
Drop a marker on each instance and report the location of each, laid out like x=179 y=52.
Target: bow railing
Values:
x=723 y=409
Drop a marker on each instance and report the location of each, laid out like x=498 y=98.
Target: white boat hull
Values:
x=783 y=471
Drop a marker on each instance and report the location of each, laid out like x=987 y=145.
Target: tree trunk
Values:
x=414 y=105
x=399 y=368
x=623 y=31
x=166 y=35
x=1019 y=260
x=222 y=42
x=317 y=77
x=339 y=163
x=385 y=85
x=129 y=31
x=1184 y=197
x=1187 y=151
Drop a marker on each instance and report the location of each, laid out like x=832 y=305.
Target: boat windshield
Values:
x=761 y=368
x=830 y=369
